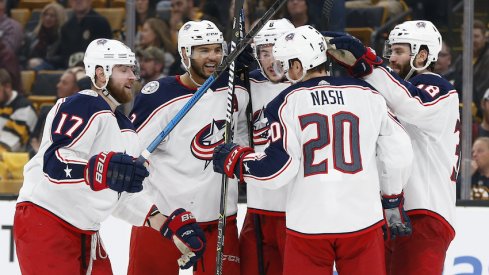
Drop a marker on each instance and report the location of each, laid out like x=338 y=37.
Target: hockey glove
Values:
x=244 y=59
x=228 y=159
x=349 y=52
x=182 y=228
x=117 y=171
x=397 y=222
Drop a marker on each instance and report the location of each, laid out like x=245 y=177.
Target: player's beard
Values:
x=197 y=70
x=119 y=92
x=404 y=70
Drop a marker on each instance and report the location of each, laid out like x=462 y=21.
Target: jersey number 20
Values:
x=339 y=132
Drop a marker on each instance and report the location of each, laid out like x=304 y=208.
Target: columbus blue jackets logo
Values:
x=260 y=127
x=421 y=24
x=207 y=139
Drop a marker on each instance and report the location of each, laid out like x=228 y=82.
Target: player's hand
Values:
x=397 y=222
x=117 y=171
x=228 y=159
x=182 y=228
x=244 y=59
x=349 y=52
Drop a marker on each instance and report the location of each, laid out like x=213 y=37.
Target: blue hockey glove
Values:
x=349 y=52
x=228 y=159
x=117 y=171
x=181 y=227
x=397 y=222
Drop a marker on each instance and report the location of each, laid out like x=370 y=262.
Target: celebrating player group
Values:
x=354 y=171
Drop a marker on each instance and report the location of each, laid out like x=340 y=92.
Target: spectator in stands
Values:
x=483 y=127
x=18 y=116
x=145 y=9
x=68 y=84
x=181 y=11
x=10 y=62
x=155 y=33
x=151 y=62
x=297 y=13
x=43 y=42
x=480 y=169
x=443 y=64
x=392 y=7
x=81 y=28
x=11 y=31
x=481 y=63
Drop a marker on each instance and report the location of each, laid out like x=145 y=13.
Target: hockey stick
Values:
x=326 y=11
x=201 y=91
x=221 y=226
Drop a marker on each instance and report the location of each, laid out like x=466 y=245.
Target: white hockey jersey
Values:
x=181 y=171
x=260 y=200
x=77 y=128
x=427 y=107
x=329 y=138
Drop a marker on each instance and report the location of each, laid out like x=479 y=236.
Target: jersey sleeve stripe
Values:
x=420 y=101
x=148 y=119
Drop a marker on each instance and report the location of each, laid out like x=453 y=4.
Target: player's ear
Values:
x=185 y=58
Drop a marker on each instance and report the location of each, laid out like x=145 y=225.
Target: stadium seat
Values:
x=33 y=20
x=34 y=4
x=21 y=15
x=27 y=77
x=118 y=4
x=99 y=3
x=372 y=17
x=40 y=101
x=14 y=163
x=46 y=81
x=364 y=34
x=115 y=16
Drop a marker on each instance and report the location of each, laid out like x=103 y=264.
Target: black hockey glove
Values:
x=228 y=159
x=397 y=222
x=117 y=171
x=182 y=228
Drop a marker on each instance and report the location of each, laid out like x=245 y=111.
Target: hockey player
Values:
x=262 y=239
x=77 y=179
x=329 y=138
x=182 y=162
x=427 y=107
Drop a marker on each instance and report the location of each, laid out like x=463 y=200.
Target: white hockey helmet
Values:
x=107 y=53
x=303 y=43
x=272 y=31
x=195 y=33
x=267 y=37
x=416 y=34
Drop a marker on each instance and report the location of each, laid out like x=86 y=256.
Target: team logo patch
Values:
x=150 y=87
x=421 y=25
x=289 y=36
x=101 y=41
x=204 y=142
x=260 y=127
x=186 y=27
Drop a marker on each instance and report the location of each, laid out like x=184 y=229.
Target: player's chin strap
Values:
x=414 y=68
x=106 y=92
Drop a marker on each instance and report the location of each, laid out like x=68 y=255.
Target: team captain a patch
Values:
x=151 y=87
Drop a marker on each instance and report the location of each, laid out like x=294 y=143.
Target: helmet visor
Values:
x=387 y=52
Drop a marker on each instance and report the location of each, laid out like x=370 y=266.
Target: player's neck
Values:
x=190 y=81
x=314 y=75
